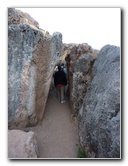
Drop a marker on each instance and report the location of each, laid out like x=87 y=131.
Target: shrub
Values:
x=81 y=153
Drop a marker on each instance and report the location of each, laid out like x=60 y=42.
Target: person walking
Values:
x=60 y=81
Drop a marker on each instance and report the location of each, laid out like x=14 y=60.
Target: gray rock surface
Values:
x=22 y=144
x=81 y=80
x=100 y=114
x=31 y=60
x=79 y=64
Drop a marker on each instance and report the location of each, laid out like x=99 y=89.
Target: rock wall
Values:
x=99 y=117
x=80 y=58
x=22 y=144
x=32 y=56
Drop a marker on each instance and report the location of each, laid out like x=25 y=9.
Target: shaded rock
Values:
x=99 y=117
x=79 y=58
x=22 y=144
x=81 y=80
x=31 y=60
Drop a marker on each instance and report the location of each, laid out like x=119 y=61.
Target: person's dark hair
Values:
x=62 y=64
x=59 y=67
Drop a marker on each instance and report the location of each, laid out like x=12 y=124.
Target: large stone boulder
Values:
x=22 y=144
x=99 y=117
x=80 y=81
x=80 y=59
x=32 y=57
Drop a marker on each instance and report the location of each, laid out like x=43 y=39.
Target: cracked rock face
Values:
x=100 y=114
x=81 y=80
x=80 y=58
x=32 y=56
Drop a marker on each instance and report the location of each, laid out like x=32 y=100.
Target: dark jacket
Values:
x=60 y=78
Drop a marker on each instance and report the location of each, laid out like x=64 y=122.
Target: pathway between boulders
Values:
x=57 y=135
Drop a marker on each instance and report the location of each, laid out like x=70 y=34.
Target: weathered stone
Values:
x=80 y=58
x=22 y=144
x=100 y=114
x=18 y=17
x=31 y=60
x=81 y=80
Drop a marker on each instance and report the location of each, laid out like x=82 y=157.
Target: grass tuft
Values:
x=81 y=153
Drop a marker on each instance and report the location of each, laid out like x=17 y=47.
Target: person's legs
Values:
x=62 y=94
x=58 y=93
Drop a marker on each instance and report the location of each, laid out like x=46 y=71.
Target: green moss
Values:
x=81 y=153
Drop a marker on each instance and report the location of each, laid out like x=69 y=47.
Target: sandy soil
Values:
x=57 y=134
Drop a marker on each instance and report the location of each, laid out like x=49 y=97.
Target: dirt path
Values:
x=57 y=134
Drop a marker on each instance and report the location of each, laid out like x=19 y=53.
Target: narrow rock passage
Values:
x=57 y=134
